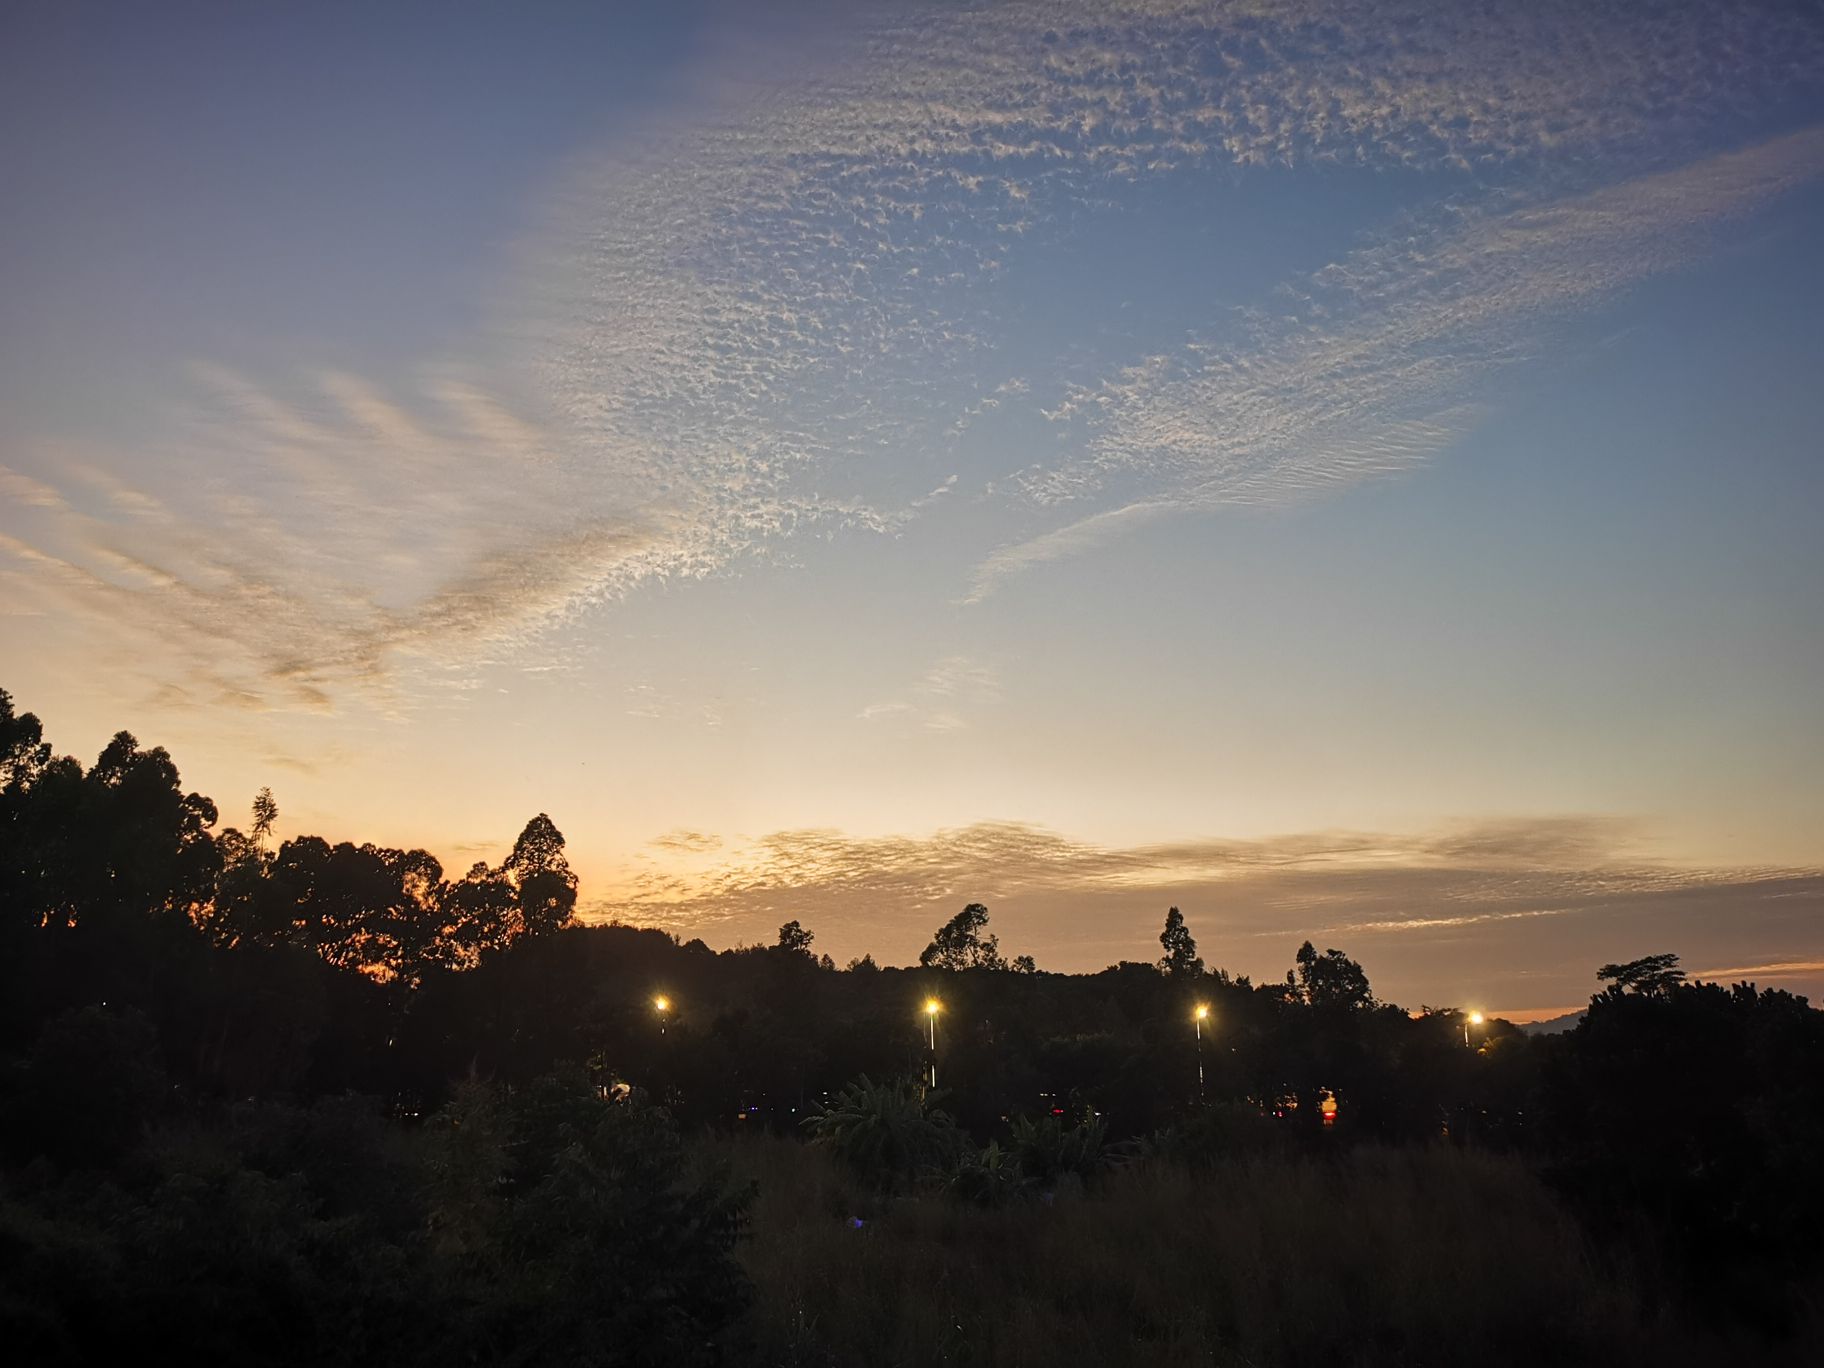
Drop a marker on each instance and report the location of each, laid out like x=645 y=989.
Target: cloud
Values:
x=24 y=491
x=304 y=547
x=1552 y=842
x=301 y=543
x=477 y=847
x=952 y=687
x=879 y=710
x=1370 y=373
x=684 y=842
x=1435 y=915
x=781 y=313
x=1812 y=969
x=1084 y=535
x=296 y=764
x=805 y=289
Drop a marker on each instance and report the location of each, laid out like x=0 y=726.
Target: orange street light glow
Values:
x=931 y=1006
x=662 y=1003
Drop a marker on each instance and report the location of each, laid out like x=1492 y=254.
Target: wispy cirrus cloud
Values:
x=1810 y=970
x=943 y=697
x=1377 y=361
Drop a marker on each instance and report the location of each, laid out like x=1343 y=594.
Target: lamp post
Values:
x=1203 y=1011
x=932 y=1007
x=661 y=1004
x=1473 y=1019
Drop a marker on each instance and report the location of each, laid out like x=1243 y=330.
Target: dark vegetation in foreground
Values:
x=323 y=1104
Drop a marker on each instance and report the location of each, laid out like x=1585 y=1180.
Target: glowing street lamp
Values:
x=1199 y=1017
x=662 y=1005
x=932 y=1008
x=1473 y=1019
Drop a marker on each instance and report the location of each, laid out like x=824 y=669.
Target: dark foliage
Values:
x=1696 y=1113
x=535 y=1227
x=323 y=1102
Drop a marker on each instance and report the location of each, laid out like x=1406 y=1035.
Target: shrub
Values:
x=1048 y=1151
x=887 y=1134
x=988 y=1176
x=1213 y=1134
x=547 y=1228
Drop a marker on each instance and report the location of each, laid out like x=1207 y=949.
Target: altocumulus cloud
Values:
x=773 y=317
x=792 y=292
x=1420 y=905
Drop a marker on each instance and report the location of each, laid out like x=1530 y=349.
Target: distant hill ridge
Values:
x=1553 y=1025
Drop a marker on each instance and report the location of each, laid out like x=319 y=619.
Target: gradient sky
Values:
x=1349 y=469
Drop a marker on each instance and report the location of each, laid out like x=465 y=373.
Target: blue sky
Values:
x=1347 y=468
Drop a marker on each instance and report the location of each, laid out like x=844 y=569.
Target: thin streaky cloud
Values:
x=1783 y=969
x=23 y=491
x=1371 y=377
x=944 y=698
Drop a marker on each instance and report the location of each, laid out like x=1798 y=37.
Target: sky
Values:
x=1348 y=469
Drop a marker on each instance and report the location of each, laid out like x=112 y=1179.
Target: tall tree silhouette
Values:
x=1651 y=975
x=1331 y=979
x=960 y=943
x=265 y=813
x=794 y=939
x=23 y=749
x=542 y=881
x=477 y=914
x=1180 y=958
x=121 y=839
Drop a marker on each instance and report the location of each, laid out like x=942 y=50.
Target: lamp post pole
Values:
x=1198 y=1016
x=931 y=1006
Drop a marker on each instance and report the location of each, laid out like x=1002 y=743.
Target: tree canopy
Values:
x=1180 y=958
x=159 y=971
x=1330 y=980
x=964 y=942
x=1651 y=975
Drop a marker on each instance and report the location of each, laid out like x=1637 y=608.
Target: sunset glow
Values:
x=1350 y=472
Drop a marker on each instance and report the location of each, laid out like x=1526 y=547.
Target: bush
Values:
x=888 y=1134
x=1215 y=1134
x=988 y=1176
x=1048 y=1151
x=548 y=1227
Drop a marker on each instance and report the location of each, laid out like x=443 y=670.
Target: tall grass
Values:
x=1421 y=1257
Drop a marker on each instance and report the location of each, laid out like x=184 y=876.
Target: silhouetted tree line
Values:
x=400 y=1110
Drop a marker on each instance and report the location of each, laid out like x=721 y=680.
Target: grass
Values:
x=1420 y=1257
